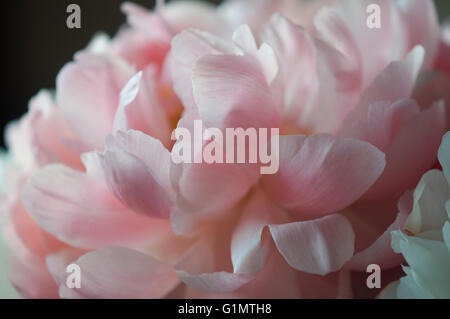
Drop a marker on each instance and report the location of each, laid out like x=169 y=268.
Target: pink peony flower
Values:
x=361 y=113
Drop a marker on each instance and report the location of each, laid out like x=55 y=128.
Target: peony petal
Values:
x=136 y=168
x=430 y=197
x=248 y=247
x=444 y=155
x=319 y=246
x=428 y=262
x=143 y=20
x=187 y=48
x=185 y=14
x=32 y=280
x=115 y=273
x=394 y=83
x=391 y=38
x=232 y=92
x=297 y=55
x=390 y=291
x=130 y=180
x=411 y=153
x=423 y=26
x=140 y=109
x=88 y=90
x=78 y=209
x=148 y=149
x=322 y=174
x=246 y=45
x=205 y=266
x=380 y=251
x=382 y=122
x=446 y=234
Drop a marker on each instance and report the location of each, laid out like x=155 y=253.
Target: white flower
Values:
x=427 y=248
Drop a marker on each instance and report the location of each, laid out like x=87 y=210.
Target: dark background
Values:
x=37 y=43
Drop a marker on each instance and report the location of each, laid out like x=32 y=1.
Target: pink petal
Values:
x=136 y=168
x=78 y=209
x=206 y=265
x=32 y=280
x=232 y=91
x=88 y=90
x=199 y=15
x=214 y=282
x=423 y=26
x=143 y=20
x=187 y=48
x=411 y=153
x=296 y=51
x=319 y=246
x=249 y=246
x=391 y=38
x=130 y=180
x=394 y=83
x=382 y=122
x=148 y=149
x=199 y=196
x=339 y=71
x=49 y=131
x=140 y=109
x=322 y=174
x=116 y=272
x=380 y=251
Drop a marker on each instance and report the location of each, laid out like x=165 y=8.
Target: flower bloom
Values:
x=425 y=241
x=361 y=113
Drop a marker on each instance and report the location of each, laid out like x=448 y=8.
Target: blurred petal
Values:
x=232 y=91
x=319 y=246
x=444 y=155
x=322 y=174
x=380 y=252
x=88 y=93
x=430 y=196
x=248 y=247
x=115 y=273
x=78 y=209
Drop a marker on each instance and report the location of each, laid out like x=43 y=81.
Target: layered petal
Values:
x=87 y=91
x=136 y=168
x=140 y=109
x=206 y=265
x=78 y=209
x=233 y=92
x=115 y=272
x=380 y=251
x=322 y=174
x=250 y=244
x=319 y=246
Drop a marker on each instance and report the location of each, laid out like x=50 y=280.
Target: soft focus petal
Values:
x=187 y=48
x=322 y=174
x=88 y=93
x=318 y=246
x=380 y=252
x=232 y=91
x=430 y=196
x=444 y=155
x=78 y=209
x=411 y=153
x=115 y=272
x=249 y=245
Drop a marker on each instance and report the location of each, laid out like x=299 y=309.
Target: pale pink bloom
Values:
x=353 y=140
x=59 y=127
